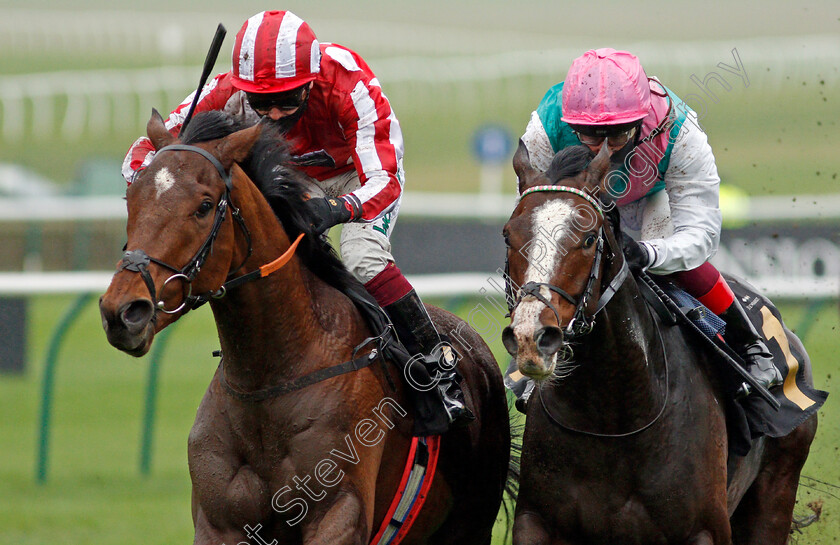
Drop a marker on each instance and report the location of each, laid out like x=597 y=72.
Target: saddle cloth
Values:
x=752 y=416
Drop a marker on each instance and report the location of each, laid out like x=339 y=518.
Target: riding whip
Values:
x=209 y=62
x=722 y=351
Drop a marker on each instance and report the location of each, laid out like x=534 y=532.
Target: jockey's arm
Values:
x=213 y=96
x=374 y=133
x=692 y=184
x=539 y=146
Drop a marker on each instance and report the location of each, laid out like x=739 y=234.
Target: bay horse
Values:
x=625 y=439
x=319 y=463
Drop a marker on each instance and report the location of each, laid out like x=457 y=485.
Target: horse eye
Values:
x=204 y=208
x=589 y=241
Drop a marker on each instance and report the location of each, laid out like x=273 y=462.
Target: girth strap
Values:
x=299 y=383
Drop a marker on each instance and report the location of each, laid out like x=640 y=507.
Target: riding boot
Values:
x=418 y=334
x=744 y=339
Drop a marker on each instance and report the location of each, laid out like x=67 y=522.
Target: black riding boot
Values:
x=419 y=336
x=744 y=339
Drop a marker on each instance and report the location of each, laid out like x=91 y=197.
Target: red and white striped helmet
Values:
x=275 y=51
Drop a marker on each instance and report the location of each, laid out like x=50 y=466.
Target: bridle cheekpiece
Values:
x=580 y=324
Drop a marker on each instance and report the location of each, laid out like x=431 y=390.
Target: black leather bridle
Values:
x=138 y=260
x=580 y=324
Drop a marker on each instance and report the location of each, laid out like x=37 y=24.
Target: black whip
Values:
x=724 y=352
x=209 y=62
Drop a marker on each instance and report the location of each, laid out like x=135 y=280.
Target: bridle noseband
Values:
x=580 y=324
x=138 y=260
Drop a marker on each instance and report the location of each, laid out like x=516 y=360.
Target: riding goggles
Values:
x=287 y=102
x=616 y=141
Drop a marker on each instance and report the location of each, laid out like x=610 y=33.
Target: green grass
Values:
x=95 y=494
x=780 y=140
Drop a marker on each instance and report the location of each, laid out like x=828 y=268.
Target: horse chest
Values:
x=238 y=463
x=624 y=495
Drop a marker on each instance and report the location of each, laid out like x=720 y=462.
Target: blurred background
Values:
x=93 y=442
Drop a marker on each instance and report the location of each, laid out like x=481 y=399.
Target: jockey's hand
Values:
x=638 y=255
x=329 y=211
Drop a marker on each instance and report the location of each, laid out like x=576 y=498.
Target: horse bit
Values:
x=138 y=260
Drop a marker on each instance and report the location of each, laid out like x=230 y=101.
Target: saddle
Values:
x=429 y=419
x=750 y=417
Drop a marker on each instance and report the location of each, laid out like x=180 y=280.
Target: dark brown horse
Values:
x=625 y=440
x=321 y=463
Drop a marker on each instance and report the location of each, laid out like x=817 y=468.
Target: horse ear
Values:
x=236 y=147
x=156 y=129
x=597 y=169
x=522 y=166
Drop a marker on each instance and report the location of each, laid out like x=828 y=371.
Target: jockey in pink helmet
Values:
x=344 y=135
x=664 y=179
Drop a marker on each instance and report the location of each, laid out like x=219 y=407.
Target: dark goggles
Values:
x=287 y=101
x=615 y=141
x=617 y=135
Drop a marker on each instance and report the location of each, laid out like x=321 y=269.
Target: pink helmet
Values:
x=275 y=51
x=605 y=87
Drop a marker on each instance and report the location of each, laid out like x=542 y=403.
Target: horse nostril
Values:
x=137 y=314
x=509 y=340
x=549 y=340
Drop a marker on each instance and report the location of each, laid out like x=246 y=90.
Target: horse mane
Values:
x=568 y=163
x=284 y=189
x=207 y=126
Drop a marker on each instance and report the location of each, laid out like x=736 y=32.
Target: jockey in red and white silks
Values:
x=348 y=122
x=663 y=179
x=345 y=137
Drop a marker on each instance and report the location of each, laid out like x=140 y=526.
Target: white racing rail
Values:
x=772 y=208
x=76 y=103
x=417 y=205
x=477 y=285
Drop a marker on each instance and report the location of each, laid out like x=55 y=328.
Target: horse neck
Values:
x=619 y=364
x=269 y=328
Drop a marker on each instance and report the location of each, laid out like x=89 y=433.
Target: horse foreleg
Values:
x=529 y=529
x=345 y=522
x=207 y=534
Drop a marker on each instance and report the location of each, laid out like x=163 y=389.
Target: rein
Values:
x=655 y=419
x=139 y=260
x=299 y=383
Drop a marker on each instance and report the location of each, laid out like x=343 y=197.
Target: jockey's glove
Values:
x=639 y=256
x=329 y=211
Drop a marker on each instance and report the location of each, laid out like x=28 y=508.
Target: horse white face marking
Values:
x=164 y=180
x=550 y=223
